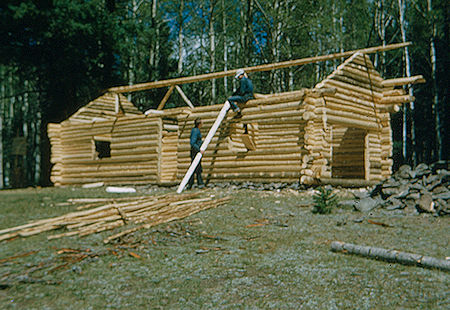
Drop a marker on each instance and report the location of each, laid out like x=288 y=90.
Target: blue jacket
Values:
x=196 y=139
x=245 y=89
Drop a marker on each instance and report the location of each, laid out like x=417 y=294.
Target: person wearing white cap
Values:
x=244 y=91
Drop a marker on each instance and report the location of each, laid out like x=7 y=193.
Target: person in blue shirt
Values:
x=196 y=143
x=244 y=91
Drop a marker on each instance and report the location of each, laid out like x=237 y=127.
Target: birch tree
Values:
x=403 y=23
x=180 y=37
x=212 y=49
x=433 y=61
x=225 y=44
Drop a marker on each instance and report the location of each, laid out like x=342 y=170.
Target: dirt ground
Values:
x=263 y=250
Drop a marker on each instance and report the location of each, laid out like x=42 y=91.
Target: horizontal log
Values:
x=352 y=123
x=345 y=114
x=267 y=67
x=397 y=99
x=110 y=181
x=109 y=160
x=110 y=174
x=361 y=78
x=252 y=176
x=355 y=83
x=417 y=79
x=391 y=255
x=135 y=144
x=351 y=89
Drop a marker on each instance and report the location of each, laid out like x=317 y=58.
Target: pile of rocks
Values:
x=423 y=189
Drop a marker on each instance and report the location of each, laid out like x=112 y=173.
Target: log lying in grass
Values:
x=391 y=255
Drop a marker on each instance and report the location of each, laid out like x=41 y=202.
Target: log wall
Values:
x=353 y=138
x=135 y=151
x=273 y=124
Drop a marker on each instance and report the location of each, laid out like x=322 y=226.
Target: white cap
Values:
x=239 y=73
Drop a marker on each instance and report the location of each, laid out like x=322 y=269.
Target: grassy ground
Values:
x=263 y=250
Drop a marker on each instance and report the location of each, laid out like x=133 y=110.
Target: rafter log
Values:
x=266 y=67
x=166 y=97
x=185 y=98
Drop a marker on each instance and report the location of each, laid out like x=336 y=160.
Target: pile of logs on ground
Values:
x=106 y=214
x=423 y=189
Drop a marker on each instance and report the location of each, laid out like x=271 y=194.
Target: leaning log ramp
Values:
x=198 y=157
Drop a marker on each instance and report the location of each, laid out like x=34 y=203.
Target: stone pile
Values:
x=423 y=189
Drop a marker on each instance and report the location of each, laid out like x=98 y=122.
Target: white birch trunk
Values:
x=153 y=46
x=402 y=10
x=212 y=50
x=225 y=47
x=131 y=64
x=276 y=32
x=244 y=30
x=180 y=38
x=435 y=106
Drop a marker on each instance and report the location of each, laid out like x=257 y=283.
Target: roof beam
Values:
x=266 y=67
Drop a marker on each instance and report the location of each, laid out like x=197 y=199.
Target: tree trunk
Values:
x=402 y=10
x=132 y=47
x=212 y=50
x=155 y=40
x=391 y=255
x=247 y=20
x=2 y=95
x=438 y=149
x=225 y=47
x=180 y=38
x=275 y=34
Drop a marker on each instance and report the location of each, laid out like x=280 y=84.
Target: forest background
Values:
x=57 y=55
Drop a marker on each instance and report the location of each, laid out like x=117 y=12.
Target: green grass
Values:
x=283 y=262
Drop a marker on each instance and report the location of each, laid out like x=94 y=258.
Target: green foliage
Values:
x=324 y=201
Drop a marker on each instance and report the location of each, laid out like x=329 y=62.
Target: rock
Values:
x=350 y=204
x=418 y=186
x=404 y=172
x=414 y=196
x=442 y=207
x=402 y=194
x=440 y=165
x=388 y=191
x=421 y=170
x=361 y=194
x=367 y=204
x=431 y=179
x=433 y=185
x=395 y=207
x=396 y=202
x=439 y=189
x=425 y=203
x=444 y=195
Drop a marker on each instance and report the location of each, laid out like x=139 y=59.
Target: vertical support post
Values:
x=204 y=146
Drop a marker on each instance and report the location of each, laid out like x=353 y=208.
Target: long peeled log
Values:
x=391 y=255
x=204 y=146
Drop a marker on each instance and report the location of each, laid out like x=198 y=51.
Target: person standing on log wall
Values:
x=243 y=93
x=196 y=143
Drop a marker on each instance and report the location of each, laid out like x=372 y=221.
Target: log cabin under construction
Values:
x=338 y=132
